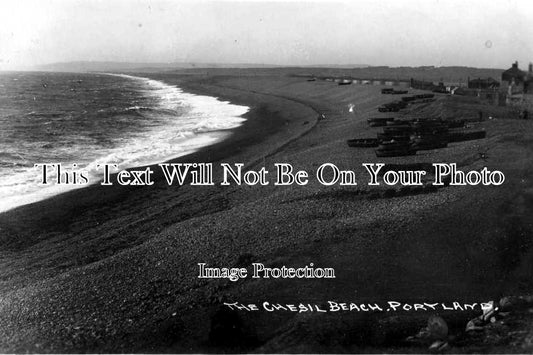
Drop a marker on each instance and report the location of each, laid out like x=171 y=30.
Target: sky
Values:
x=487 y=34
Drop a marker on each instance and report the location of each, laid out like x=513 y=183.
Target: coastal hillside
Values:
x=454 y=74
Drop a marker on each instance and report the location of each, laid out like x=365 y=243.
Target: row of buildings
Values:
x=513 y=81
x=514 y=89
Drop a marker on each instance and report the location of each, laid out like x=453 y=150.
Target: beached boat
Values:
x=394 y=106
x=395 y=149
x=345 y=82
x=397 y=123
x=408 y=98
x=363 y=142
x=456 y=123
x=379 y=121
x=460 y=136
x=425 y=96
x=384 y=137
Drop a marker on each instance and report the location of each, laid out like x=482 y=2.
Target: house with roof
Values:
x=485 y=84
x=516 y=81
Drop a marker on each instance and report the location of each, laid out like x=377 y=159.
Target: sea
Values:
x=94 y=119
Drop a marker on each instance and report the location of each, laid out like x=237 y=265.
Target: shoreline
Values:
x=242 y=136
x=245 y=143
x=251 y=133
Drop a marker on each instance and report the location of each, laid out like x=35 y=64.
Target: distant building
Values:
x=515 y=80
x=513 y=74
x=479 y=83
x=422 y=85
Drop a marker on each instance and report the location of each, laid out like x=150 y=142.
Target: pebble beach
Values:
x=114 y=268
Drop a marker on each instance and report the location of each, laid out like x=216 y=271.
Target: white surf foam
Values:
x=202 y=121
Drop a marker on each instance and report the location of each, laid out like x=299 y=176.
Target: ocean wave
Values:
x=177 y=124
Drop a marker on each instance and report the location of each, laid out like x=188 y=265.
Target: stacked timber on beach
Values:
x=403 y=137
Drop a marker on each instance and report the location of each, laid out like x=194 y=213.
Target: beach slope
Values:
x=115 y=269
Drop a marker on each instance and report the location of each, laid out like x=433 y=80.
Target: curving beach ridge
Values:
x=115 y=269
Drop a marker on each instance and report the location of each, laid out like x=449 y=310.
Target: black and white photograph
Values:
x=272 y=177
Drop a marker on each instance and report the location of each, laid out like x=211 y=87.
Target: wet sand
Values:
x=115 y=269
